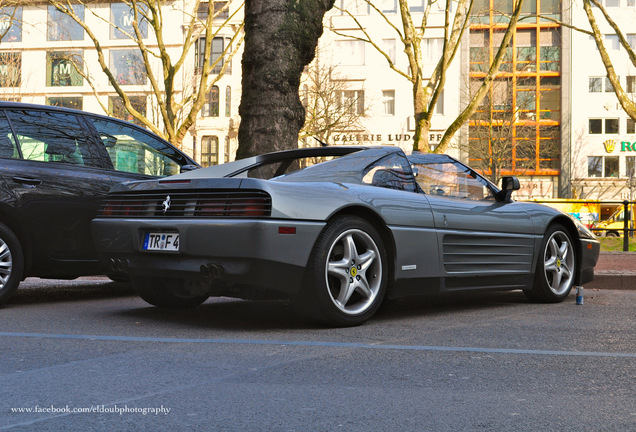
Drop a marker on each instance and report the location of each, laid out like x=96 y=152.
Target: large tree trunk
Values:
x=280 y=40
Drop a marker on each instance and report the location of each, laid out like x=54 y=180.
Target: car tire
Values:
x=556 y=267
x=159 y=292
x=346 y=275
x=11 y=263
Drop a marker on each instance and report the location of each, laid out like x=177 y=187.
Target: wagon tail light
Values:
x=122 y=208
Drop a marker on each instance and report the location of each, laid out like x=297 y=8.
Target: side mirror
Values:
x=186 y=168
x=508 y=186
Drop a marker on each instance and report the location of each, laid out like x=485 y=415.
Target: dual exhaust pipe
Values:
x=209 y=272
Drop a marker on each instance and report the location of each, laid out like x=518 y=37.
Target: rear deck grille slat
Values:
x=200 y=204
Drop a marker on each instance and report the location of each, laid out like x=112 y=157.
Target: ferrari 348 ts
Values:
x=336 y=230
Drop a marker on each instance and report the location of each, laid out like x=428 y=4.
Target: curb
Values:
x=613 y=279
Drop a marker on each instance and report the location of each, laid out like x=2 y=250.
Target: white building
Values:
x=603 y=136
x=554 y=70
x=40 y=45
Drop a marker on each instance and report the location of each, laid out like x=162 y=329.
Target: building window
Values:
x=596 y=85
x=62 y=69
x=209 y=151
x=117 y=109
x=596 y=126
x=11 y=24
x=612 y=3
x=228 y=101
x=10 y=69
x=389 y=49
x=350 y=52
x=388 y=102
x=439 y=106
x=122 y=19
x=630 y=166
x=211 y=105
x=351 y=101
x=595 y=166
x=603 y=166
x=219 y=50
x=416 y=5
x=611 y=126
x=355 y=7
x=433 y=49
x=550 y=48
x=609 y=88
x=388 y=6
x=611 y=166
x=631 y=126
x=66 y=102
x=612 y=42
x=61 y=27
x=128 y=67
x=631 y=84
x=631 y=40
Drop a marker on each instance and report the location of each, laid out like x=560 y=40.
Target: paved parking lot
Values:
x=89 y=355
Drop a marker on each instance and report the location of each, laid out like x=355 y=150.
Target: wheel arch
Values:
x=380 y=225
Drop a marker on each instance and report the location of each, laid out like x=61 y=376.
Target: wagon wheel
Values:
x=11 y=263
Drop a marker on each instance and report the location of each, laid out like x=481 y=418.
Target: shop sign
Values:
x=626 y=146
x=434 y=137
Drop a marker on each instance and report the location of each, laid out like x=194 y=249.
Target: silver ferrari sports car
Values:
x=336 y=230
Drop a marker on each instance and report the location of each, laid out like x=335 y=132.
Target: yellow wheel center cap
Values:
x=558 y=263
x=354 y=271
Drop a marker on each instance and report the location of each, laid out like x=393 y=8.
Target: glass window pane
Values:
x=75 y=102
x=611 y=126
x=62 y=69
x=611 y=166
x=122 y=19
x=10 y=69
x=596 y=126
x=51 y=137
x=595 y=166
x=133 y=150
x=596 y=85
x=11 y=24
x=128 y=66
x=61 y=27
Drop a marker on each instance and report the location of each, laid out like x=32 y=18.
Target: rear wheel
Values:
x=11 y=263
x=164 y=293
x=346 y=275
x=556 y=267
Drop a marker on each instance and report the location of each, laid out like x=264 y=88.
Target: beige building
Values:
x=551 y=113
x=41 y=46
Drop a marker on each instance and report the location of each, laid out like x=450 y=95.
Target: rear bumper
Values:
x=236 y=254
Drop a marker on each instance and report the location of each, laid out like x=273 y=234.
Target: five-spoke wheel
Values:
x=11 y=263
x=555 y=273
x=347 y=274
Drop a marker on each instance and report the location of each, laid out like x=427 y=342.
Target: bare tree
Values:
x=177 y=107
x=280 y=40
x=330 y=105
x=427 y=90
x=626 y=102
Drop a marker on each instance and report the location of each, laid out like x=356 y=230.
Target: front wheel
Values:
x=11 y=263
x=556 y=267
x=346 y=274
x=164 y=293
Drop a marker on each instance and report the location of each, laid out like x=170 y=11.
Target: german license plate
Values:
x=161 y=242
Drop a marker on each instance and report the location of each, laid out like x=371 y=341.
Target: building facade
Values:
x=42 y=52
x=550 y=117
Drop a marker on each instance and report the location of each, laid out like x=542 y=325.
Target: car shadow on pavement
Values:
x=259 y=315
x=70 y=291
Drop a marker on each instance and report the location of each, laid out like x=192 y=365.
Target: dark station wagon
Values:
x=56 y=166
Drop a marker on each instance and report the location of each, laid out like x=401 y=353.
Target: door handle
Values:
x=30 y=182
